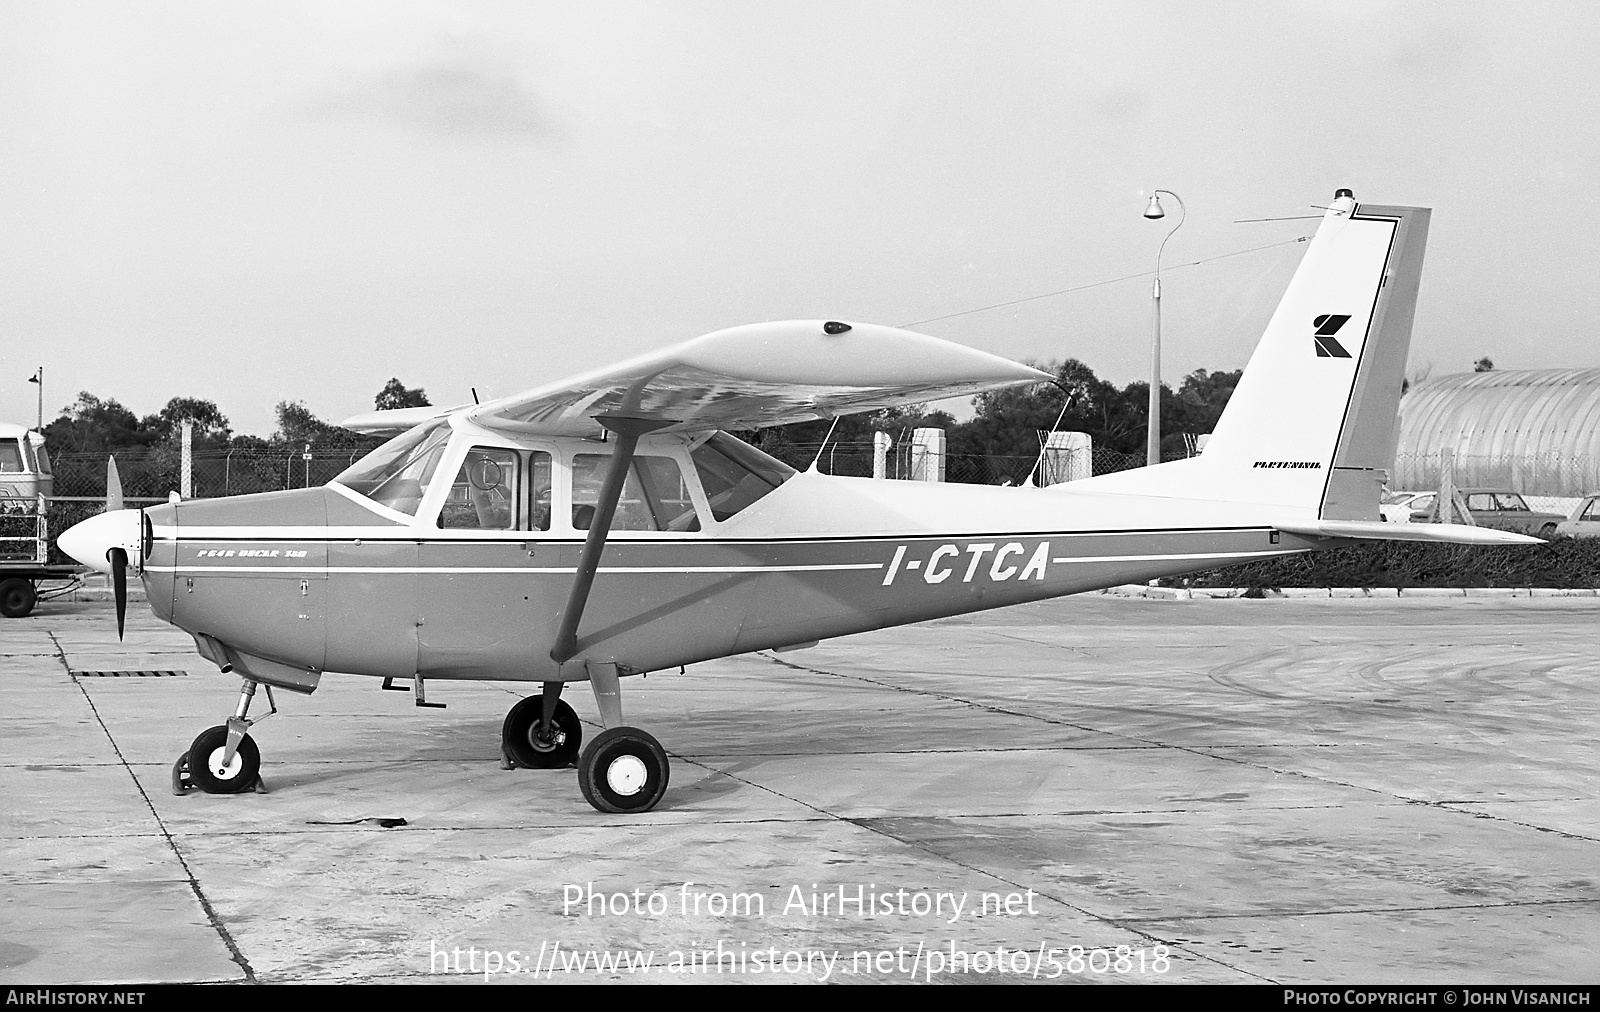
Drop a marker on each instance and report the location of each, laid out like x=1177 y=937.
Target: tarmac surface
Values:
x=1293 y=791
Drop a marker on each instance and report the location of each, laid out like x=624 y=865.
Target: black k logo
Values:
x=1328 y=325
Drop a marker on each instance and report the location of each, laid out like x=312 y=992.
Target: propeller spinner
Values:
x=106 y=543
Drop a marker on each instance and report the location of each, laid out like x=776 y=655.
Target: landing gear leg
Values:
x=224 y=759
x=624 y=770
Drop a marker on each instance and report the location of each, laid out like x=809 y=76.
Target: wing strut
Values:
x=628 y=431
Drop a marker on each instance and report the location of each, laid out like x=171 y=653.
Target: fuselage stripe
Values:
x=414 y=570
x=508 y=569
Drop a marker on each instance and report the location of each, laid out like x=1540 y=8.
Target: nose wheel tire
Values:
x=205 y=763
x=16 y=597
x=519 y=736
x=624 y=770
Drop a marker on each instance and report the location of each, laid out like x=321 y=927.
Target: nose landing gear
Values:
x=224 y=759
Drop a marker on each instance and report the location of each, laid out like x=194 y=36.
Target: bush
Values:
x=1564 y=562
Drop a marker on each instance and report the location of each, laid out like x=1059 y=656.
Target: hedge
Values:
x=1564 y=563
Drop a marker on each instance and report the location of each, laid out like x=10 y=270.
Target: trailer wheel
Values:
x=16 y=597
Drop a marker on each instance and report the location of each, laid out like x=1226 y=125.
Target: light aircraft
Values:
x=606 y=526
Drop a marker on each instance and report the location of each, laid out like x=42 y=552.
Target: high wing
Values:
x=394 y=421
x=758 y=375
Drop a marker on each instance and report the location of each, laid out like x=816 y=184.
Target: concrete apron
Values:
x=1288 y=791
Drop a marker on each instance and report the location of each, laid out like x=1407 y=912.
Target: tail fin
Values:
x=1312 y=423
x=1313 y=420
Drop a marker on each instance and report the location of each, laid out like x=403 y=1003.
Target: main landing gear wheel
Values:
x=16 y=597
x=205 y=763
x=520 y=739
x=624 y=770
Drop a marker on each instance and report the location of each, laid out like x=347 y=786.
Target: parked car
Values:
x=1582 y=522
x=1507 y=511
x=1407 y=507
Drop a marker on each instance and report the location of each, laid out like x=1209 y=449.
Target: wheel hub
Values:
x=626 y=775
x=218 y=770
x=547 y=742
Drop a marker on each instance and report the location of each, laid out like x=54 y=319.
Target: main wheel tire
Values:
x=205 y=763
x=520 y=736
x=16 y=597
x=624 y=770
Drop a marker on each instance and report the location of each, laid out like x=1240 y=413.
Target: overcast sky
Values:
x=262 y=202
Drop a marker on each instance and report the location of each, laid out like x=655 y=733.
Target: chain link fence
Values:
x=1548 y=482
x=151 y=473
x=855 y=460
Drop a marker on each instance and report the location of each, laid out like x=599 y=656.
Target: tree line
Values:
x=1004 y=423
x=1007 y=423
x=95 y=425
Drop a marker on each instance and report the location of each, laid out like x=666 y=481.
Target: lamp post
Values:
x=1152 y=452
x=38 y=378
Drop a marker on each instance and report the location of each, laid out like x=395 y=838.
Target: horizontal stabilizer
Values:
x=1452 y=534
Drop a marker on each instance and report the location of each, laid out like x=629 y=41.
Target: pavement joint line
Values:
x=417 y=827
x=992 y=708
x=996 y=632
x=1119 y=923
x=194 y=883
x=1146 y=742
x=412 y=827
x=933 y=751
x=863 y=824
x=1075 y=812
x=1190 y=749
x=1451 y=806
x=1440 y=908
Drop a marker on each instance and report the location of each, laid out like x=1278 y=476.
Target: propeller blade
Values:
x=113 y=486
x=118 y=557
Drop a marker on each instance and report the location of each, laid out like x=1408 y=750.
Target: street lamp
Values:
x=1153 y=427
x=38 y=378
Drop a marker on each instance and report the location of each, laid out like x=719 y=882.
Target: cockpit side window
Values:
x=397 y=473
x=10 y=456
x=490 y=492
x=735 y=474
x=484 y=494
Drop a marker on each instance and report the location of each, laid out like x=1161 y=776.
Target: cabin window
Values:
x=11 y=456
x=397 y=473
x=654 y=495
x=484 y=494
x=1593 y=512
x=735 y=474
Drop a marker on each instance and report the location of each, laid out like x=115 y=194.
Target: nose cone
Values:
x=89 y=541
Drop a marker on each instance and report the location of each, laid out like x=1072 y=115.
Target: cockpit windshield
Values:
x=397 y=473
x=735 y=474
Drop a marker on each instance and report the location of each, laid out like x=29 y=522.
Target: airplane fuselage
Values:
x=323 y=579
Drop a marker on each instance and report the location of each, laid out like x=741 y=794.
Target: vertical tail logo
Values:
x=1327 y=325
